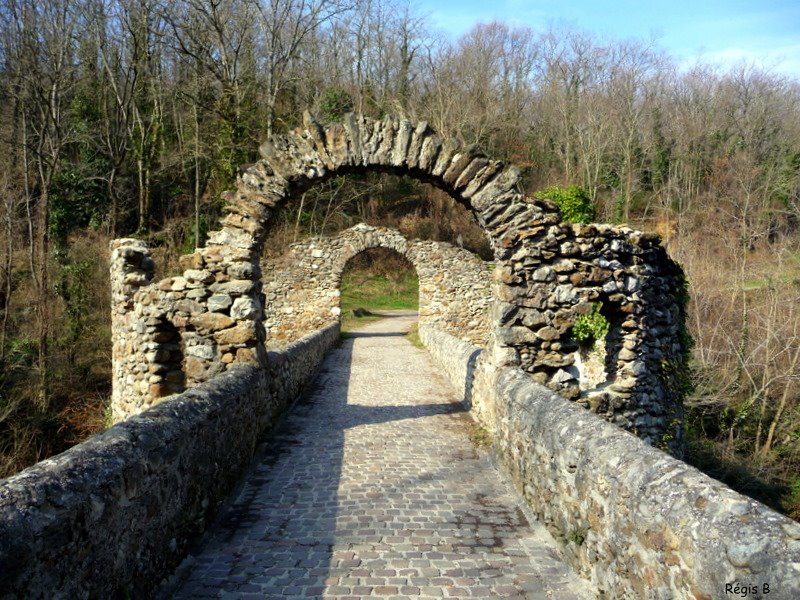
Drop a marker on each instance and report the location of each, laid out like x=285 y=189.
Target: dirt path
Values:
x=372 y=488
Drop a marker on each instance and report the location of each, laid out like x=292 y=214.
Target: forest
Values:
x=131 y=117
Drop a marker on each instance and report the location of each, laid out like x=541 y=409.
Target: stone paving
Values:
x=372 y=488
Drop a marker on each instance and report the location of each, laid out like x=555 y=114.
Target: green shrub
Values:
x=573 y=202
x=589 y=328
x=334 y=104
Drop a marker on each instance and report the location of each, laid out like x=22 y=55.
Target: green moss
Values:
x=578 y=535
x=668 y=436
x=480 y=436
x=413 y=336
x=108 y=417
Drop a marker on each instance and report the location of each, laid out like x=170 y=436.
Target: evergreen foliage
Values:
x=573 y=202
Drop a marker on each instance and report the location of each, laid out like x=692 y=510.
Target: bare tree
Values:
x=285 y=25
x=46 y=45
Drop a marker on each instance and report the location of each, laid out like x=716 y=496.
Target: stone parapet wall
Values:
x=112 y=516
x=636 y=522
x=293 y=366
x=302 y=287
x=455 y=357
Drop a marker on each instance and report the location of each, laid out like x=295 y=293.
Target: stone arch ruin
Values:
x=302 y=286
x=548 y=273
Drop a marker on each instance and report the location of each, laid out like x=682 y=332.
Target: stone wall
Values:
x=574 y=268
x=302 y=286
x=112 y=516
x=636 y=522
x=172 y=334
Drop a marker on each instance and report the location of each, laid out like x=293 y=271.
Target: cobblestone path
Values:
x=372 y=488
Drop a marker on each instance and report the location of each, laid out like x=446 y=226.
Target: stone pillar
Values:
x=131 y=269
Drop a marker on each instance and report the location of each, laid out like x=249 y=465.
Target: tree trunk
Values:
x=43 y=304
x=197 y=241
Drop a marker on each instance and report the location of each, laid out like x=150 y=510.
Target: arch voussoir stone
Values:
x=421 y=133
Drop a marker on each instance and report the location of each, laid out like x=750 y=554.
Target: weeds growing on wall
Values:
x=590 y=328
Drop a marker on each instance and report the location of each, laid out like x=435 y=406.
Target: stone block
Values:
x=240 y=334
x=219 y=302
x=212 y=321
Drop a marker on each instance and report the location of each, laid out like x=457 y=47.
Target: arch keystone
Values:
x=450 y=147
x=403 y=139
x=421 y=132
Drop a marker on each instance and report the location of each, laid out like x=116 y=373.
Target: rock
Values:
x=191 y=261
x=241 y=270
x=205 y=352
x=244 y=308
x=164 y=336
x=544 y=274
x=198 y=276
x=159 y=390
x=246 y=356
x=190 y=307
x=212 y=321
x=562 y=376
x=237 y=287
x=240 y=334
x=219 y=302
x=194 y=368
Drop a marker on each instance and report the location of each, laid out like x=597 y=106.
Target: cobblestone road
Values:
x=372 y=488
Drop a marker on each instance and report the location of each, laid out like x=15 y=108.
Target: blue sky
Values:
x=723 y=32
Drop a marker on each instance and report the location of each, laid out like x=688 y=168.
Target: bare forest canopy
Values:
x=130 y=117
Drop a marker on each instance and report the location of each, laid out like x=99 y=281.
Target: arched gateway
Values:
x=548 y=274
x=302 y=287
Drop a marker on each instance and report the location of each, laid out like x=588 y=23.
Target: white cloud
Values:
x=779 y=59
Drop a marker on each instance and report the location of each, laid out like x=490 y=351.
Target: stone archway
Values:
x=302 y=286
x=549 y=272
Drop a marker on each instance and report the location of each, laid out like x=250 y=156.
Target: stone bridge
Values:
x=206 y=362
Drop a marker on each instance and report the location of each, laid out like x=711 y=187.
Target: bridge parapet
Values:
x=114 y=515
x=633 y=520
